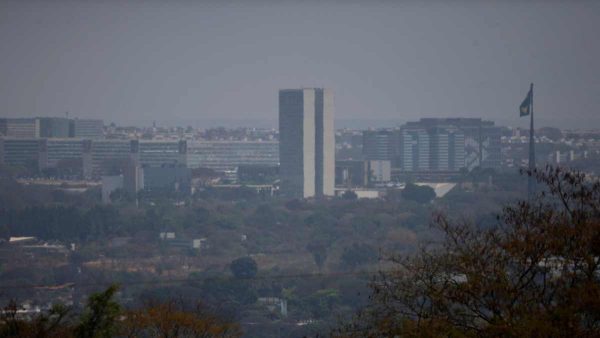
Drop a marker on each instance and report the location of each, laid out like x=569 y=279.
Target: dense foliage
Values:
x=317 y=256
x=536 y=273
x=103 y=317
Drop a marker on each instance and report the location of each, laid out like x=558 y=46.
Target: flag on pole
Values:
x=525 y=107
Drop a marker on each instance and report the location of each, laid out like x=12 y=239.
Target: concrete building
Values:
x=224 y=156
x=63 y=151
x=54 y=127
x=133 y=177
x=447 y=149
x=88 y=129
x=23 y=152
x=159 y=153
x=482 y=139
x=307 y=144
x=383 y=144
x=380 y=171
x=106 y=157
x=20 y=127
x=351 y=173
x=449 y=144
x=414 y=150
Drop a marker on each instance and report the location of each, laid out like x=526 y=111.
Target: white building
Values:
x=307 y=142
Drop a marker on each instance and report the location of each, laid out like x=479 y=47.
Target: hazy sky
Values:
x=139 y=61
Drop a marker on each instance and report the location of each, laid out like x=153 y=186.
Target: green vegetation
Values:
x=417 y=193
x=103 y=317
x=534 y=274
x=318 y=256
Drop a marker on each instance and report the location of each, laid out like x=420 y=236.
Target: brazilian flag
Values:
x=525 y=107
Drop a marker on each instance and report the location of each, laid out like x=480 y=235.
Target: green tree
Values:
x=535 y=274
x=319 y=252
x=417 y=193
x=244 y=268
x=358 y=254
x=99 y=318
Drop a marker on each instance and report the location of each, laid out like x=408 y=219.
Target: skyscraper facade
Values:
x=415 y=149
x=307 y=142
x=382 y=144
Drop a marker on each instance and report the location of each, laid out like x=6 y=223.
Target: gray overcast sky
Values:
x=138 y=61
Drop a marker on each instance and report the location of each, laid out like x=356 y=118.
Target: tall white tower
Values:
x=306 y=142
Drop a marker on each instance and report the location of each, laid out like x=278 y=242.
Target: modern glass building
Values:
x=382 y=144
x=482 y=139
x=447 y=149
x=415 y=149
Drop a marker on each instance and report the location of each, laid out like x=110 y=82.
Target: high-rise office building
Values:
x=306 y=142
x=382 y=144
x=415 y=149
x=481 y=139
x=447 y=149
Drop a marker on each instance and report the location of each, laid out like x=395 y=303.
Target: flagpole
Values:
x=531 y=183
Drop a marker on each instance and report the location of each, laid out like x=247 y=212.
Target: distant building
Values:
x=109 y=185
x=62 y=151
x=160 y=153
x=351 y=173
x=51 y=127
x=307 y=145
x=482 y=139
x=224 y=156
x=54 y=127
x=414 y=149
x=381 y=144
x=447 y=145
x=20 y=127
x=356 y=174
x=380 y=171
x=447 y=149
x=22 y=152
x=133 y=177
x=88 y=129
x=106 y=157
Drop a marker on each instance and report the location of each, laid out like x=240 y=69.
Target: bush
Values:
x=420 y=194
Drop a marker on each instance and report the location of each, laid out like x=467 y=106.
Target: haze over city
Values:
x=222 y=62
x=266 y=169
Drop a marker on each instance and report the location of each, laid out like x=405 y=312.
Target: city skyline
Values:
x=134 y=63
